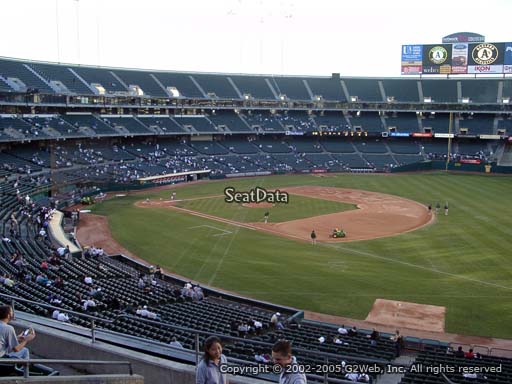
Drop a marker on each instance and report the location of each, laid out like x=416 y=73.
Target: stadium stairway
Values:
x=506 y=157
x=395 y=378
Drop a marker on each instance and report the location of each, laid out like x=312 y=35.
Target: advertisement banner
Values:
x=437 y=59
x=460 y=58
x=409 y=69
x=444 y=135
x=412 y=53
x=416 y=134
x=485 y=69
x=412 y=57
x=399 y=134
x=470 y=161
x=490 y=137
x=486 y=54
x=507 y=55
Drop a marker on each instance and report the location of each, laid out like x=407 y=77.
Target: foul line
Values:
x=212 y=227
x=339 y=247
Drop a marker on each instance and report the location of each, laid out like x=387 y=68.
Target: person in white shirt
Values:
x=63 y=317
x=55 y=314
x=144 y=311
x=175 y=343
x=89 y=303
x=88 y=280
x=275 y=319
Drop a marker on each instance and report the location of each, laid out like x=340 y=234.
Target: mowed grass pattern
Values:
x=298 y=207
x=463 y=261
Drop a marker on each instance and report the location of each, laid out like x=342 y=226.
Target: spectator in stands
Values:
x=243 y=329
x=264 y=358
x=44 y=265
x=63 y=317
x=59 y=283
x=42 y=234
x=374 y=336
x=208 y=369
x=342 y=330
x=8 y=281
x=478 y=376
x=399 y=342
x=469 y=354
x=88 y=304
x=282 y=355
x=175 y=343
x=96 y=293
x=459 y=353
x=258 y=326
x=357 y=377
x=55 y=314
x=352 y=331
x=10 y=344
x=158 y=272
x=61 y=251
x=43 y=279
x=274 y=319
x=88 y=280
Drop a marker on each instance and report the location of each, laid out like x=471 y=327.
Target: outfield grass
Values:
x=462 y=262
x=299 y=207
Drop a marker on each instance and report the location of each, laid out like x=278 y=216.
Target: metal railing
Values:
x=27 y=362
x=326 y=357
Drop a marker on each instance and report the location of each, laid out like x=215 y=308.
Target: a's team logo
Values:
x=485 y=54
x=438 y=55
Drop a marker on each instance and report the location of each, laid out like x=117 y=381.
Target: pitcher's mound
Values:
x=401 y=314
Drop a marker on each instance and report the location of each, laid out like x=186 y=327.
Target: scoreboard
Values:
x=457 y=58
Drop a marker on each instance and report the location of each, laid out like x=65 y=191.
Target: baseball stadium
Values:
x=363 y=219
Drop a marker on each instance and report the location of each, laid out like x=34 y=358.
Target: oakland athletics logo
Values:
x=438 y=55
x=485 y=54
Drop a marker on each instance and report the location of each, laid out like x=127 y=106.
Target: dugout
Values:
x=174 y=178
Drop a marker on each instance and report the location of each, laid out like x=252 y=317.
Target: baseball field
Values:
x=462 y=261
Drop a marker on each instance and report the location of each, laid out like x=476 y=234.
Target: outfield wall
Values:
x=452 y=166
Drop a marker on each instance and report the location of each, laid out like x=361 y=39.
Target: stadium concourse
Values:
x=68 y=132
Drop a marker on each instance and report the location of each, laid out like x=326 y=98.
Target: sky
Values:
x=280 y=37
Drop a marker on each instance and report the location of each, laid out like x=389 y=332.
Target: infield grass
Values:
x=463 y=261
x=299 y=207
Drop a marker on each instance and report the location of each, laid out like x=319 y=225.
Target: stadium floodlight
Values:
x=505 y=100
x=466 y=100
x=247 y=96
x=390 y=99
x=427 y=99
x=354 y=99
